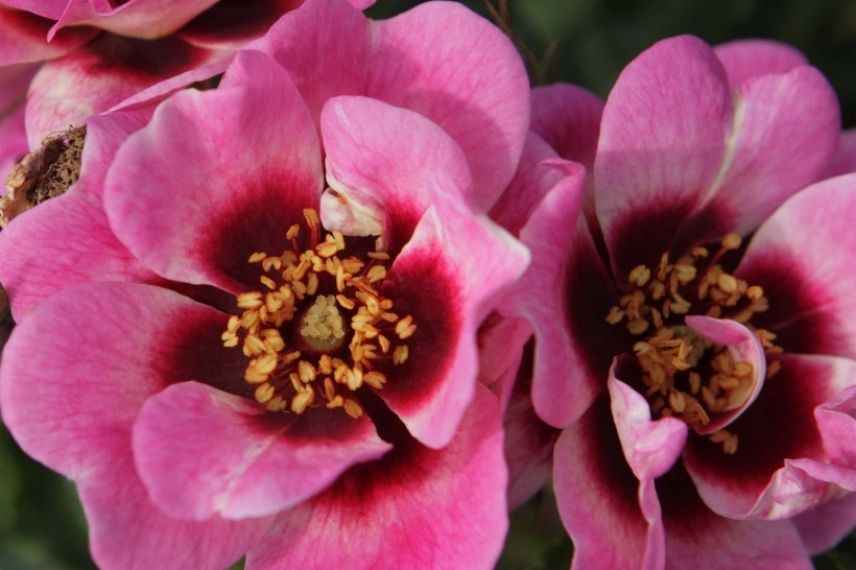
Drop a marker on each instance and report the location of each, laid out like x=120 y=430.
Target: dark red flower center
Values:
x=317 y=330
x=685 y=375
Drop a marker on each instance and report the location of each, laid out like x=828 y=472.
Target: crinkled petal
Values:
x=824 y=526
x=598 y=497
x=780 y=467
x=146 y=19
x=70 y=399
x=803 y=258
x=745 y=59
x=379 y=183
x=438 y=59
x=231 y=189
x=844 y=159
x=565 y=295
x=836 y=420
x=661 y=146
x=242 y=462
x=414 y=508
x=127 y=530
x=24 y=38
x=744 y=346
x=469 y=263
x=69 y=90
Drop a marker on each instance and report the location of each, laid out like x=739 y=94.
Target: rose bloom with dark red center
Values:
x=75 y=58
x=268 y=298
x=693 y=333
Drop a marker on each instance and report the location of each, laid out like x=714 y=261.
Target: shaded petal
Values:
x=824 y=526
x=698 y=538
x=469 y=263
x=229 y=24
x=127 y=530
x=14 y=80
x=69 y=90
x=786 y=127
x=438 y=59
x=802 y=257
x=780 y=467
x=744 y=346
x=662 y=142
x=70 y=399
x=836 y=420
x=147 y=19
x=24 y=38
x=568 y=118
x=565 y=295
x=229 y=191
x=52 y=9
x=379 y=184
x=844 y=159
x=414 y=508
x=243 y=460
x=745 y=59
x=538 y=171
x=597 y=496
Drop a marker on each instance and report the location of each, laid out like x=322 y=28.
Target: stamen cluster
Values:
x=672 y=357
x=338 y=325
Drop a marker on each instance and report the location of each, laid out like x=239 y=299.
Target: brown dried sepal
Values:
x=45 y=173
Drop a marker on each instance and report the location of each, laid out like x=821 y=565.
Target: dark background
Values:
x=41 y=526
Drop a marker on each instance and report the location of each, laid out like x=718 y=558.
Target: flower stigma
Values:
x=685 y=375
x=319 y=328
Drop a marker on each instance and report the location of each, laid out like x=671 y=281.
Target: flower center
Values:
x=320 y=328
x=685 y=375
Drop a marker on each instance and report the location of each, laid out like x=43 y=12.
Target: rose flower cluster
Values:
x=290 y=285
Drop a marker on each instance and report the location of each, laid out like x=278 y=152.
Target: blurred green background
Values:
x=581 y=41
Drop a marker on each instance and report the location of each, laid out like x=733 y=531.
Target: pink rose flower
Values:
x=705 y=386
x=251 y=364
x=91 y=55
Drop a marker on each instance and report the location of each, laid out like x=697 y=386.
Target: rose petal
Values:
x=414 y=508
x=24 y=38
x=242 y=461
x=826 y=525
x=745 y=59
x=230 y=191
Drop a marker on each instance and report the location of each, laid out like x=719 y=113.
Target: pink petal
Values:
x=744 y=346
x=699 y=539
x=538 y=171
x=438 y=59
x=242 y=462
x=378 y=185
x=802 y=257
x=568 y=118
x=146 y=19
x=126 y=530
x=836 y=420
x=229 y=24
x=786 y=127
x=780 y=467
x=662 y=142
x=826 y=525
x=529 y=442
x=71 y=89
x=502 y=342
x=14 y=80
x=227 y=192
x=52 y=9
x=745 y=59
x=24 y=38
x=469 y=263
x=67 y=239
x=70 y=399
x=565 y=295
x=844 y=159
x=650 y=447
x=597 y=496
x=414 y=508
